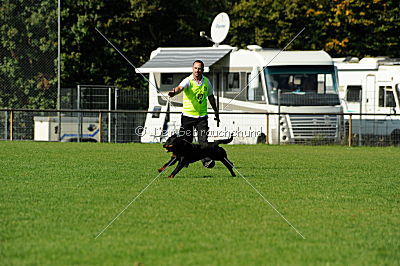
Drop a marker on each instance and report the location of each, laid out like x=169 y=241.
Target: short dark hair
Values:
x=199 y=61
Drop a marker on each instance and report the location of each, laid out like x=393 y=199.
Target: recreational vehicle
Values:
x=300 y=86
x=47 y=129
x=371 y=86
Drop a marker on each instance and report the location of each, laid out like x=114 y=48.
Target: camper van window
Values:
x=353 y=93
x=254 y=94
x=321 y=84
x=302 y=85
x=325 y=84
x=329 y=84
x=386 y=97
x=398 y=92
x=166 y=79
x=232 y=81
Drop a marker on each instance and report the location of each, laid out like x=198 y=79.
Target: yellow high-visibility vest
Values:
x=195 y=98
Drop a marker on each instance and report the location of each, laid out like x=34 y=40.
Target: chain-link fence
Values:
x=71 y=125
x=373 y=130
x=248 y=128
x=103 y=97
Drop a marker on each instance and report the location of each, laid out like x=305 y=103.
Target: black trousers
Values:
x=188 y=124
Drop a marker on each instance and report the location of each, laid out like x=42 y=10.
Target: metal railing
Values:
x=355 y=129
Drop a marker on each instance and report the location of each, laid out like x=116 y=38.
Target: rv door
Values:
x=371 y=94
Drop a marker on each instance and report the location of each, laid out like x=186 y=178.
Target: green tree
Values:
x=28 y=37
x=271 y=24
x=135 y=27
x=28 y=41
x=340 y=27
x=363 y=28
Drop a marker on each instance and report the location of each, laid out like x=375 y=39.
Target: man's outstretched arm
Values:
x=214 y=107
x=175 y=91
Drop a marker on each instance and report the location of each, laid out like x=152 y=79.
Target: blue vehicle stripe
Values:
x=83 y=135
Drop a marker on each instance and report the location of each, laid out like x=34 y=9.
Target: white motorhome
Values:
x=302 y=85
x=371 y=86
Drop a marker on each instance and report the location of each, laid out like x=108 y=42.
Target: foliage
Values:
x=28 y=36
x=363 y=28
x=28 y=52
x=340 y=27
x=136 y=27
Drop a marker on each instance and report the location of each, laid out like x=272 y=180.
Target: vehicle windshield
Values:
x=302 y=85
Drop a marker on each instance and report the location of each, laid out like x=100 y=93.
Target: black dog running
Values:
x=185 y=153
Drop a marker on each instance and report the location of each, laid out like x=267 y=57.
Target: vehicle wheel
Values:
x=261 y=138
x=395 y=137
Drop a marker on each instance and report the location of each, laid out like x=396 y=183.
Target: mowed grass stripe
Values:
x=56 y=197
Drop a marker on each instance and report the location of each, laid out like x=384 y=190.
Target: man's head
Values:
x=198 y=68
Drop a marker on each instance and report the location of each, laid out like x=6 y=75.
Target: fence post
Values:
x=59 y=126
x=279 y=117
x=109 y=115
x=100 y=127
x=11 y=125
x=267 y=130
x=116 y=115
x=5 y=125
x=339 y=129
x=350 y=130
x=79 y=114
x=360 y=124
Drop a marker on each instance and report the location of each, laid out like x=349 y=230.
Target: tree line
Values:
x=28 y=36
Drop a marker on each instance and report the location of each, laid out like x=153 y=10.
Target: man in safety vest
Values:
x=196 y=90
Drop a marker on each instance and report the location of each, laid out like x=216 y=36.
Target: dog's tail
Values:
x=224 y=141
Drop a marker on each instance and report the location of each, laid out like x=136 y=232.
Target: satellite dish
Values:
x=220 y=28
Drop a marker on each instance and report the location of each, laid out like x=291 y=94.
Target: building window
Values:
x=353 y=93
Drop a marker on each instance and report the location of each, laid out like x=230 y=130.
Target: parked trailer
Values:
x=371 y=86
x=47 y=129
x=246 y=80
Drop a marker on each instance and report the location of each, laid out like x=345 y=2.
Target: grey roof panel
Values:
x=185 y=57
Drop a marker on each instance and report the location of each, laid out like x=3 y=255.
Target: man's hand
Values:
x=214 y=107
x=175 y=91
x=216 y=118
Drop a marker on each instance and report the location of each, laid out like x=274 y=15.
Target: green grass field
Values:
x=56 y=197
